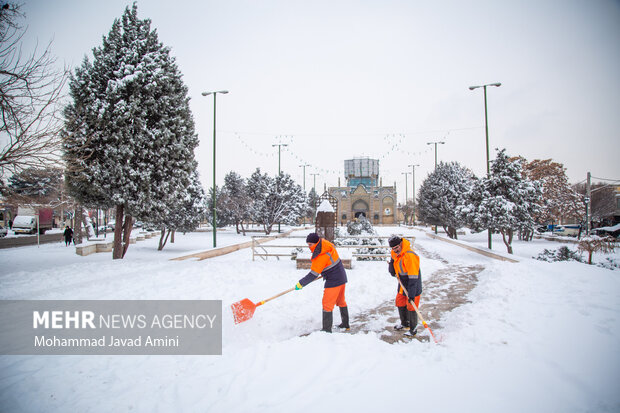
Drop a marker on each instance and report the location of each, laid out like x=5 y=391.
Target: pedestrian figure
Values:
x=326 y=262
x=68 y=235
x=405 y=265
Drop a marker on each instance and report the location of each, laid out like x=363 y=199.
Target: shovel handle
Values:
x=275 y=296
x=282 y=293
x=415 y=307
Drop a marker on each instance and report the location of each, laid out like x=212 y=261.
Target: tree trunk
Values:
x=77 y=224
x=242 y=228
x=162 y=239
x=127 y=227
x=172 y=236
x=117 y=252
x=507 y=242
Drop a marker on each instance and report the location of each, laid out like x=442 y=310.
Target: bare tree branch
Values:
x=30 y=92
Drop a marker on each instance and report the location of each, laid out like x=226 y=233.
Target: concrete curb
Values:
x=481 y=251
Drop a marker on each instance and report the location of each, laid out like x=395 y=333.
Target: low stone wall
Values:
x=487 y=253
x=107 y=245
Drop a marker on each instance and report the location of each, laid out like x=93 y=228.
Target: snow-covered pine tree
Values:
x=503 y=201
x=275 y=200
x=292 y=197
x=441 y=194
x=236 y=200
x=312 y=202
x=224 y=216
x=185 y=214
x=129 y=135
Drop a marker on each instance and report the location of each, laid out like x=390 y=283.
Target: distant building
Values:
x=364 y=194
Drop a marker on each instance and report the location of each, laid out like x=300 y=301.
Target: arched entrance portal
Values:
x=360 y=208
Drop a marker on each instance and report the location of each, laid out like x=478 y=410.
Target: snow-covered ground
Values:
x=536 y=337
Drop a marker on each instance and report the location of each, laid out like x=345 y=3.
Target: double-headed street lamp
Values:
x=413 y=171
x=435 y=143
x=304 y=166
x=486 y=127
x=214 y=190
x=406 y=184
x=279 y=145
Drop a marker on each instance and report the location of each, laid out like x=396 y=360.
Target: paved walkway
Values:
x=444 y=291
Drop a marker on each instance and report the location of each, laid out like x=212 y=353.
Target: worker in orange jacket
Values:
x=326 y=262
x=405 y=265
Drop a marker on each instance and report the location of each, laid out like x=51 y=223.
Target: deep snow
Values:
x=536 y=337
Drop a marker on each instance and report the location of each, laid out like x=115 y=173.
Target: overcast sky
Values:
x=341 y=79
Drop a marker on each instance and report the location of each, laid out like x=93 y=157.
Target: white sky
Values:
x=340 y=79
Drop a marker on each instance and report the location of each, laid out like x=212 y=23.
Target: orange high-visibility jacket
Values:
x=407 y=267
x=325 y=261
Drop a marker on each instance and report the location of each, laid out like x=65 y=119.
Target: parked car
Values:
x=3 y=231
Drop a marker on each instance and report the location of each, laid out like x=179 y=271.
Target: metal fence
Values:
x=262 y=250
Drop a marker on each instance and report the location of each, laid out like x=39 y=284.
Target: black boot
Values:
x=413 y=323
x=344 y=316
x=328 y=319
x=404 y=321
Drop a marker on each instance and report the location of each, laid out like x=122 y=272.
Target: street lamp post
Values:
x=214 y=190
x=314 y=185
x=304 y=166
x=435 y=143
x=413 y=179
x=406 y=185
x=486 y=127
x=305 y=193
x=279 y=145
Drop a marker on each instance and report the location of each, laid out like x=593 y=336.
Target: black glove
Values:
x=391 y=268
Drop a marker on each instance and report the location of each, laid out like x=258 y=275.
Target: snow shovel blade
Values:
x=243 y=310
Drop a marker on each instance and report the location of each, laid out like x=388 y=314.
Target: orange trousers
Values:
x=401 y=301
x=333 y=296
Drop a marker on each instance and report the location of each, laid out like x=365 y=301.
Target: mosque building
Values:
x=364 y=194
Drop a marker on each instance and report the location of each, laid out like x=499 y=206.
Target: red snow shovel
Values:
x=244 y=310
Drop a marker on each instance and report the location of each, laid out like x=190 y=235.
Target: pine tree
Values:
x=185 y=214
x=503 y=201
x=312 y=203
x=441 y=195
x=236 y=200
x=275 y=200
x=129 y=134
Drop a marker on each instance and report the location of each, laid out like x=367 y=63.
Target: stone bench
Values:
x=104 y=246
x=85 y=249
x=93 y=246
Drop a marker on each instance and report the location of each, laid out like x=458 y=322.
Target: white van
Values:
x=25 y=224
